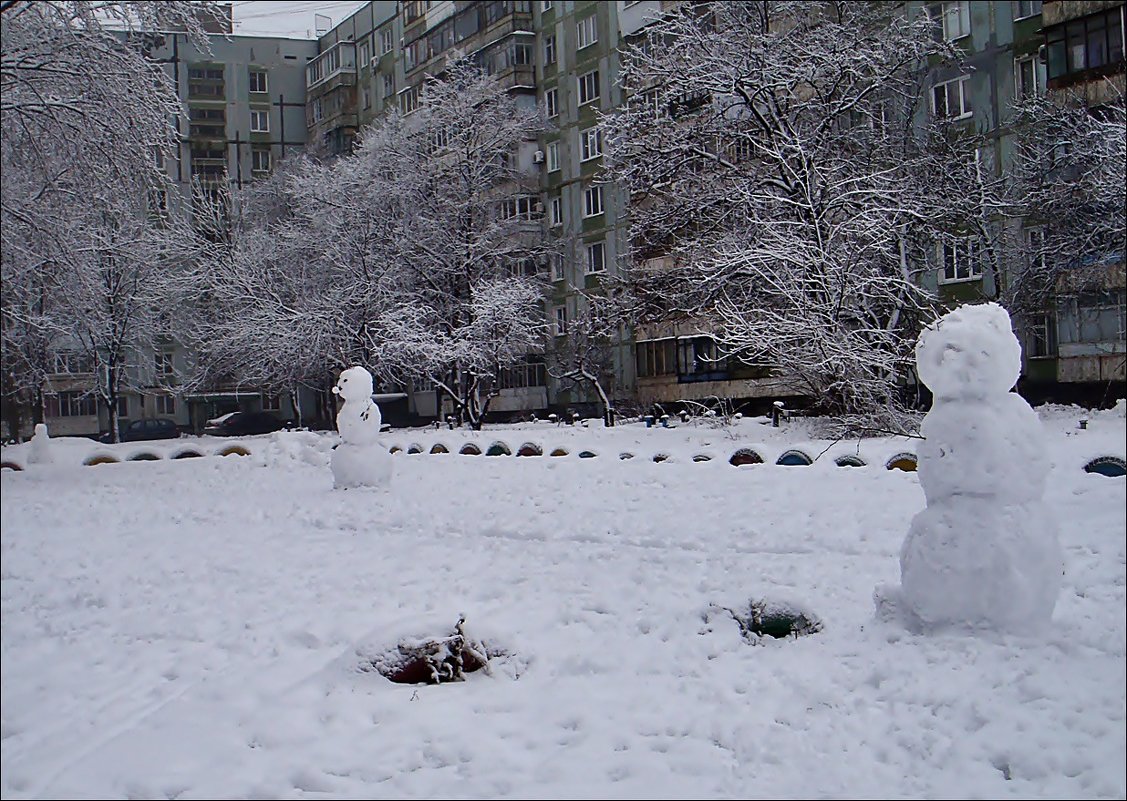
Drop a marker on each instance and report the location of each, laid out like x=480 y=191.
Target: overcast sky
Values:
x=294 y=19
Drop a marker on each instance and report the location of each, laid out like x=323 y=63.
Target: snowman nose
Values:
x=336 y=390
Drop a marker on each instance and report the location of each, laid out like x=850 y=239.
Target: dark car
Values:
x=242 y=424
x=152 y=428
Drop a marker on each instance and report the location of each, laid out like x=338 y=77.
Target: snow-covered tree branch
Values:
x=1069 y=177
x=417 y=256
x=775 y=157
x=85 y=243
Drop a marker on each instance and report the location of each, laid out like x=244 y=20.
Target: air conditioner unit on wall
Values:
x=538 y=157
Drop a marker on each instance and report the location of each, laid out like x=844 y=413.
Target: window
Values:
x=959 y=260
x=388 y=85
x=588 y=87
x=206 y=82
x=208 y=122
x=585 y=32
x=364 y=56
x=592 y=201
x=949 y=99
x=545 y=5
x=955 y=19
x=556 y=206
x=553 y=156
x=1027 y=82
x=258 y=80
x=596 y=257
x=528 y=373
x=162 y=361
x=415 y=53
x=1042 y=336
x=260 y=161
x=438 y=139
x=271 y=402
x=523 y=207
x=413 y=9
x=1091 y=42
x=656 y=357
x=1026 y=8
x=1035 y=248
x=1101 y=315
x=386 y=41
x=549 y=50
x=71 y=404
x=72 y=362
x=551 y=102
x=409 y=99
x=516 y=54
x=699 y=359
x=165 y=404
x=209 y=172
x=260 y=122
x=209 y=154
x=559 y=321
x=367 y=98
x=590 y=144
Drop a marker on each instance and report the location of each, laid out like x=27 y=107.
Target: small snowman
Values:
x=984 y=554
x=359 y=460
x=41 y=451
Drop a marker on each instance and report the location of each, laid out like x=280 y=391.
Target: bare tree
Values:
x=774 y=154
x=299 y=290
x=1070 y=169
x=85 y=121
x=417 y=256
x=472 y=242
x=584 y=354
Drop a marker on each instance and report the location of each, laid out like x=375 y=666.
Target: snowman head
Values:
x=354 y=384
x=970 y=352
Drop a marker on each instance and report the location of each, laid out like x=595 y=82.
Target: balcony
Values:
x=338 y=60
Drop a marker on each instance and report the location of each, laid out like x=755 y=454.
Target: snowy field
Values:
x=196 y=628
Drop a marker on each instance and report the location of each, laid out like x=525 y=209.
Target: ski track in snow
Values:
x=190 y=629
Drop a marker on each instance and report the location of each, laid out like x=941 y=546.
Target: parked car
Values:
x=150 y=428
x=241 y=424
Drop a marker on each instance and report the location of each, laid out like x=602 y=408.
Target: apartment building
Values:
x=1079 y=342
x=566 y=55
x=254 y=99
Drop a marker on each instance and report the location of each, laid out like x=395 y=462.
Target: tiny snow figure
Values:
x=984 y=553
x=40 y=446
x=359 y=460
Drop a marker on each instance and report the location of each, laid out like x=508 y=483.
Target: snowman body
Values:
x=359 y=460
x=41 y=452
x=984 y=554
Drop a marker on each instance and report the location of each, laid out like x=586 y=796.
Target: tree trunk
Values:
x=110 y=399
x=296 y=404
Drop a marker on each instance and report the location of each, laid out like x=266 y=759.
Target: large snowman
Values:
x=359 y=460
x=984 y=553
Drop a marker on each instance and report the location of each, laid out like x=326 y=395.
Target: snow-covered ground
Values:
x=197 y=627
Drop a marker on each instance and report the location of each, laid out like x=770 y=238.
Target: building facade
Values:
x=245 y=104
x=1013 y=50
x=253 y=100
x=565 y=55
